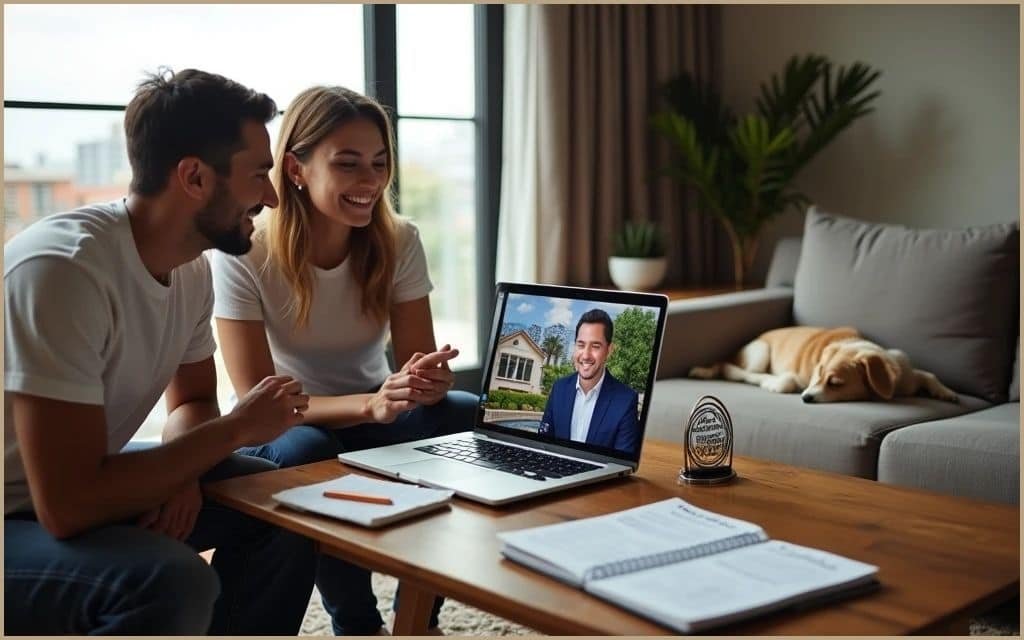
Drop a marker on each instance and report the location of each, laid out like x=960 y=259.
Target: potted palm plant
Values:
x=742 y=168
x=638 y=259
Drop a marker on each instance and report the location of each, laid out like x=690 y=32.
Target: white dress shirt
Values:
x=583 y=409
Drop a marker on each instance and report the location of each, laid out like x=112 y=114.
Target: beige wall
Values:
x=941 y=148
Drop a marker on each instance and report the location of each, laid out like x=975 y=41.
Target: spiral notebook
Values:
x=685 y=567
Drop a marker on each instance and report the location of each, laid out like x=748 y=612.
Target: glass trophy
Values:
x=707 y=444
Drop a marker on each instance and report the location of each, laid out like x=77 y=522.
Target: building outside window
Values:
x=42 y=196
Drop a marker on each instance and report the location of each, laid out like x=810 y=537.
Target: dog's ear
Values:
x=881 y=375
x=829 y=351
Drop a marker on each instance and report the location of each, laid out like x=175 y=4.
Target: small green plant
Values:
x=639 y=240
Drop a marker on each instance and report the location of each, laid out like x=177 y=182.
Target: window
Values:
x=437 y=133
x=50 y=57
x=64 y=147
x=58 y=159
x=515 y=368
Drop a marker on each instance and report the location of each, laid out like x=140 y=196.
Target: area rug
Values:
x=458 y=619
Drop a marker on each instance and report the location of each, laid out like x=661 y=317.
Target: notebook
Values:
x=685 y=567
x=408 y=500
x=552 y=349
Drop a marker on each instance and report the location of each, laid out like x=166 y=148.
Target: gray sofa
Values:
x=947 y=298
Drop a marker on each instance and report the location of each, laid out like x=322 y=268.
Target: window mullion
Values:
x=381 y=60
x=489 y=27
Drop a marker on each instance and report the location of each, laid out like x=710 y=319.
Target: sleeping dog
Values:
x=826 y=365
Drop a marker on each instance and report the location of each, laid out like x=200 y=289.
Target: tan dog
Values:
x=827 y=365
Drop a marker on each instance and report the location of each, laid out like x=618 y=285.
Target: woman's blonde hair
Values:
x=312 y=116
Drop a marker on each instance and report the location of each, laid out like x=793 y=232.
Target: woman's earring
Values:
x=298 y=186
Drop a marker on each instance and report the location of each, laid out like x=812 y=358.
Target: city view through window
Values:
x=59 y=159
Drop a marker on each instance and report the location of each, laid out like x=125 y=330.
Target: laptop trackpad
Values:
x=437 y=471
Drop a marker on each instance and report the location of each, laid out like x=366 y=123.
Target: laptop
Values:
x=560 y=404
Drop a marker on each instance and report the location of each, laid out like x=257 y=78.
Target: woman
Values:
x=330 y=270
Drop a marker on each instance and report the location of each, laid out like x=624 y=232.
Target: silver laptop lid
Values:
x=550 y=343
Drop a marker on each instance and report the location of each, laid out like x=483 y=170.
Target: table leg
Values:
x=413 y=614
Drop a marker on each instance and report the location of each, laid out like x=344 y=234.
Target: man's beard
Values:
x=229 y=239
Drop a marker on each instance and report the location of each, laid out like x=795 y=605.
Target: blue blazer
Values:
x=615 y=423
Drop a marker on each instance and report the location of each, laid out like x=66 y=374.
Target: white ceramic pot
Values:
x=637 y=274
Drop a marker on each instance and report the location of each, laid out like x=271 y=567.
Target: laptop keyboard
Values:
x=521 y=462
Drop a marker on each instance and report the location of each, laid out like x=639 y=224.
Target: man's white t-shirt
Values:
x=87 y=323
x=341 y=350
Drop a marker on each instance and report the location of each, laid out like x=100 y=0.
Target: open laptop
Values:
x=548 y=357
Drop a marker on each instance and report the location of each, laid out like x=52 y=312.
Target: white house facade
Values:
x=518 y=364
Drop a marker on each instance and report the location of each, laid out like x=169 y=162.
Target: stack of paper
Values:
x=408 y=500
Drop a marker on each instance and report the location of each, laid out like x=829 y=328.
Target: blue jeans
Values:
x=122 y=579
x=345 y=588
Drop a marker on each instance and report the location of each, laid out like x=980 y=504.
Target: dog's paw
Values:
x=704 y=373
x=779 y=385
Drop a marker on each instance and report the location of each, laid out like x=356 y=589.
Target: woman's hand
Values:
x=423 y=380
x=434 y=367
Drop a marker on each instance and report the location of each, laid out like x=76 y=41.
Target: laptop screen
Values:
x=573 y=366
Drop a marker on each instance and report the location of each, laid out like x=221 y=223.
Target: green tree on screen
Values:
x=553 y=348
x=552 y=373
x=633 y=338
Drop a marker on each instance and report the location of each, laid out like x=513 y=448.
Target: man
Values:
x=107 y=307
x=591 y=405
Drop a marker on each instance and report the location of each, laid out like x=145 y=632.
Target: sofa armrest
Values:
x=701 y=331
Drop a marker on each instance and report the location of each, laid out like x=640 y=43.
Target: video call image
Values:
x=572 y=370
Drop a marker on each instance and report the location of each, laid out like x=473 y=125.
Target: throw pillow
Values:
x=948 y=298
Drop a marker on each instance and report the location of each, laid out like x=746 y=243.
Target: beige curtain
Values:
x=579 y=156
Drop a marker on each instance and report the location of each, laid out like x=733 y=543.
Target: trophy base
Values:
x=707 y=476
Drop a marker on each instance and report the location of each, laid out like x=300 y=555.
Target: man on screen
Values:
x=591 y=405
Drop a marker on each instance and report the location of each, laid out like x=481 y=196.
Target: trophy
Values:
x=707 y=444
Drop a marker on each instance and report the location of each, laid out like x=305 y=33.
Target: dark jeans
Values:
x=122 y=579
x=345 y=588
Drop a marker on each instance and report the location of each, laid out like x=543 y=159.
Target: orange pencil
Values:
x=357 y=497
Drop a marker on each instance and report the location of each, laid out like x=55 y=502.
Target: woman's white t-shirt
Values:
x=341 y=350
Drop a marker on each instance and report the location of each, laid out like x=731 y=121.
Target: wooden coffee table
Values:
x=941 y=560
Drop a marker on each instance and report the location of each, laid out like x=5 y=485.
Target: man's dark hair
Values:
x=597 y=316
x=189 y=113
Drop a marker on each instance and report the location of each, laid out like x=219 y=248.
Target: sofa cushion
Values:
x=974 y=455
x=948 y=298
x=842 y=437
x=785 y=258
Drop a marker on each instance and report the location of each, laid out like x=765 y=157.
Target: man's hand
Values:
x=273 y=406
x=176 y=517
